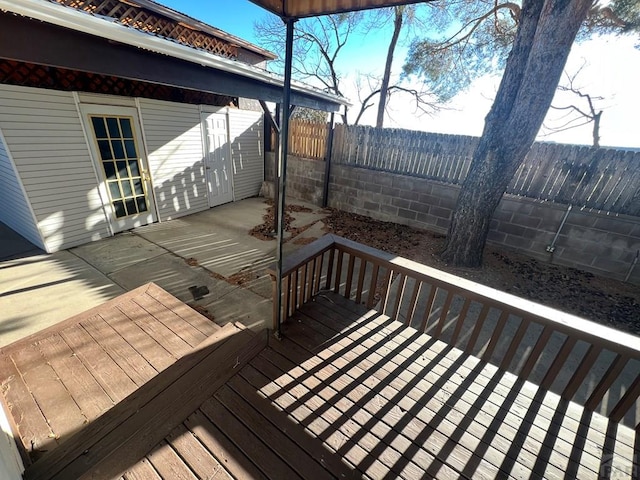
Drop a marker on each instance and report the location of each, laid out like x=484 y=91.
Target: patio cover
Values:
x=47 y=33
x=311 y=8
x=290 y=11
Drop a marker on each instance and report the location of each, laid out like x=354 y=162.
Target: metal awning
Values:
x=312 y=8
x=46 y=33
x=290 y=11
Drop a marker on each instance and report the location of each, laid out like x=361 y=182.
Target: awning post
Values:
x=282 y=169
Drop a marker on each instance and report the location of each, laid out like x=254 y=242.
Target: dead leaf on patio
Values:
x=192 y=261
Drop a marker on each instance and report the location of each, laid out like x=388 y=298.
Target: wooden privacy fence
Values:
x=598 y=179
x=306 y=139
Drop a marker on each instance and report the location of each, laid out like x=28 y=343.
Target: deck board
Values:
x=347 y=393
x=195 y=455
x=489 y=402
x=82 y=386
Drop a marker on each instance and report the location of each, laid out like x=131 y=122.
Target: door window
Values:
x=120 y=163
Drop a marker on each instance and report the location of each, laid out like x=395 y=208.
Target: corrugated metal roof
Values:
x=311 y=8
x=56 y=14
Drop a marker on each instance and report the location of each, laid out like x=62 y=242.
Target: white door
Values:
x=116 y=145
x=217 y=160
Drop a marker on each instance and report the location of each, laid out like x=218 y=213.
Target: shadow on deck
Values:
x=349 y=392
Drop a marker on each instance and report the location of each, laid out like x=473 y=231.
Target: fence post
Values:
x=327 y=163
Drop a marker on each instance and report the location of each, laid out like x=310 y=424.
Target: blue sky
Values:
x=613 y=67
x=238 y=17
x=232 y=16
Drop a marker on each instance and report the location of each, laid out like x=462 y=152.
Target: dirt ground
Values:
x=603 y=300
x=606 y=301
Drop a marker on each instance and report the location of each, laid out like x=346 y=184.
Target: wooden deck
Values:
x=347 y=393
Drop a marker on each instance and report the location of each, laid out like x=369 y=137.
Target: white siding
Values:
x=111 y=100
x=15 y=211
x=44 y=135
x=247 y=152
x=174 y=141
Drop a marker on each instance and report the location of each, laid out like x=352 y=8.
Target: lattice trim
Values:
x=151 y=22
x=39 y=76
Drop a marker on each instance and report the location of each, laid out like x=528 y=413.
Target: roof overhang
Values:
x=312 y=8
x=66 y=38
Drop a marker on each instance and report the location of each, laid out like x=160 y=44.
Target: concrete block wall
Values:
x=305 y=177
x=596 y=242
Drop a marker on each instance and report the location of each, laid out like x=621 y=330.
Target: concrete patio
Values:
x=209 y=249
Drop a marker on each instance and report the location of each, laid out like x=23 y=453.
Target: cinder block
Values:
x=525 y=220
x=427 y=219
x=408 y=214
x=502 y=215
x=392 y=192
x=440 y=212
x=400 y=202
x=518 y=242
x=389 y=210
x=371 y=206
x=511 y=229
x=418 y=207
x=610 y=265
x=402 y=183
x=429 y=199
x=443 y=223
x=516 y=205
x=614 y=225
x=496 y=237
x=383 y=179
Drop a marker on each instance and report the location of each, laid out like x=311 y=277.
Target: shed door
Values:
x=217 y=158
x=117 y=148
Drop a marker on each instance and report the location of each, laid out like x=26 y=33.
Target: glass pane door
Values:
x=121 y=164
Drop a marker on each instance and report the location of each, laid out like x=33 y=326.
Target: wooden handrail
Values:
x=587 y=330
x=373 y=277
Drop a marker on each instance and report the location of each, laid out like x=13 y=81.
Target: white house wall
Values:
x=247 y=152
x=173 y=139
x=43 y=133
x=15 y=211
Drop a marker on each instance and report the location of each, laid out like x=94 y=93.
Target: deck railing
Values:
x=583 y=361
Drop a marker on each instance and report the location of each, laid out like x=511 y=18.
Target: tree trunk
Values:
x=545 y=34
x=384 y=89
x=596 y=129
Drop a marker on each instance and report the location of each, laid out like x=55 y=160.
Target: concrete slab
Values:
x=41 y=290
x=214 y=243
x=115 y=253
x=210 y=248
x=174 y=275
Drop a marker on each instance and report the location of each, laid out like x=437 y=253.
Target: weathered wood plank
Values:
x=571 y=427
x=35 y=433
x=239 y=464
x=246 y=384
x=285 y=447
x=168 y=464
x=170 y=319
x=61 y=412
x=195 y=455
x=246 y=440
x=129 y=360
x=132 y=439
x=82 y=386
x=148 y=347
x=81 y=443
x=113 y=380
x=188 y=314
x=142 y=471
